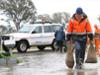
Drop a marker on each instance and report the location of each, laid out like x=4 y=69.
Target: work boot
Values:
x=81 y=63
x=77 y=66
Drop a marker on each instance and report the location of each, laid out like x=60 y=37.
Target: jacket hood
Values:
x=84 y=16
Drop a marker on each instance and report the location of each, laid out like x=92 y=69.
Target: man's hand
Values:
x=91 y=41
x=68 y=42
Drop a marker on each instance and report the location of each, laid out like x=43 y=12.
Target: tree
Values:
x=3 y=30
x=57 y=17
x=18 y=10
x=44 y=17
x=65 y=16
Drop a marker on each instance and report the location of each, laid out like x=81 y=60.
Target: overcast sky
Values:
x=90 y=7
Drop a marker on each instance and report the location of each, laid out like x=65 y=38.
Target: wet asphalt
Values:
x=46 y=63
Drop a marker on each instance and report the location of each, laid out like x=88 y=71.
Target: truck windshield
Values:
x=26 y=29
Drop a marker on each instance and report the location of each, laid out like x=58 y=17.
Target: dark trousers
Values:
x=59 y=45
x=80 y=46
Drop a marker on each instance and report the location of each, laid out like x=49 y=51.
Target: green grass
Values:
x=4 y=55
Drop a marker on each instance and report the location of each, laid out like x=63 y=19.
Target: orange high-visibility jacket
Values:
x=79 y=28
x=97 y=37
x=97 y=30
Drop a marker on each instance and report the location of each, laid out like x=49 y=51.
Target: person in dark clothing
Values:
x=60 y=38
x=4 y=47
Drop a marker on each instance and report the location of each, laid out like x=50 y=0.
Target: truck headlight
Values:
x=5 y=37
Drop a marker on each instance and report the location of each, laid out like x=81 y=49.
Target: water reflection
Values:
x=76 y=72
x=49 y=63
x=83 y=72
x=92 y=72
x=70 y=72
x=80 y=72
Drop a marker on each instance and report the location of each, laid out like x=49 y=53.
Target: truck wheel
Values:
x=22 y=46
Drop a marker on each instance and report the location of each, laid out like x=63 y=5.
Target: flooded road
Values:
x=46 y=63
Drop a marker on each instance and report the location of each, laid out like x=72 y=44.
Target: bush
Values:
x=4 y=55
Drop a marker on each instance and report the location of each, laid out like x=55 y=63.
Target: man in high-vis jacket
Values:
x=78 y=29
x=97 y=38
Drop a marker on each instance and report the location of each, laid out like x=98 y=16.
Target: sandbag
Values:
x=91 y=56
x=69 y=55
